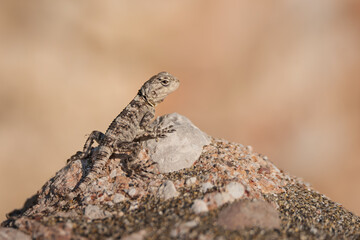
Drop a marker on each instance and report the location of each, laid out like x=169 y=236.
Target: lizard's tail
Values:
x=100 y=160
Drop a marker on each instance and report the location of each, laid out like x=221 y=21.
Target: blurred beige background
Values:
x=281 y=76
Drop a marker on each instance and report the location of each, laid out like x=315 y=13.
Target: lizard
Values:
x=130 y=126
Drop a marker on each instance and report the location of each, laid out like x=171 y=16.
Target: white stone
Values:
x=222 y=198
x=206 y=186
x=132 y=192
x=235 y=189
x=190 y=181
x=167 y=190
x=140 y=235
x=95 y=212
x=182 y=229
x=134 y=206
x=118 y=197
x=249 y=148
x=191 y=224
x=179 y=149
x=11 y=233
x=68 y=214
x=199 y=206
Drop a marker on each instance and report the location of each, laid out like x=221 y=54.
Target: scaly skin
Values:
x=132 y=124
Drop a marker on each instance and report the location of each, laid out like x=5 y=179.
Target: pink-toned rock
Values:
x=248 y=213
x=95 y=212
x=12 y=234
x=140 y=235
x=167 y=190
x=118 y=204
x=206 y=186
x=182 y=229
x=40 y=231
x=222 y=198
x=199 y=206
x=235 y=189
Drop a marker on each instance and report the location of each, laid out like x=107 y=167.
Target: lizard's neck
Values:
x=147 y=100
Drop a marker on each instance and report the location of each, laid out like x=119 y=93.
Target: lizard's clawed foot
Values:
x=161 y=132
x=140 y=170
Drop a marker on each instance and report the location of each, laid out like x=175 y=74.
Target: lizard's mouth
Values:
x=177 y=84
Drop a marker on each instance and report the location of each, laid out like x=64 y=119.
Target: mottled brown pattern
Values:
x=130 y=125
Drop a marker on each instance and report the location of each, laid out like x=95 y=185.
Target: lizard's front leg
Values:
x=96 y=136
x=146 y=131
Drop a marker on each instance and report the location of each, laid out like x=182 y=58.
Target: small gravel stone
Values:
x=248 y=213
x=167 y=190
x=206 y=186
x=14 y=234
x=199 y=206
x=235 y=189
x=69 y=214
x=134 y=206
x=118 y=197
x=190 y=181
x=191 y=224
x=249 y=148
x=95 y=212
x=132 y=192
x=136 y=236
x=222 y=198
x=183 y=228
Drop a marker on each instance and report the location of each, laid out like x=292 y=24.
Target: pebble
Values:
x=179 y=149
x=72 y=213
x=140 y=235
x=183 y=228
x=95 y=212
x=206 y=186
x=249 y=148
x=132 y=192
x=118 y=197
x=199 y=206
x=11 y=233
x=222 y=198
x=235 y=189
x=134 y=206
x=247 y=213
x=167 y=190
x=190 y=181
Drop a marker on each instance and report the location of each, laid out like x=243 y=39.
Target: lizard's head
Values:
x=158 y=87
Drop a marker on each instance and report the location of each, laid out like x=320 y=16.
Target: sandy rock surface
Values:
x=218 y=196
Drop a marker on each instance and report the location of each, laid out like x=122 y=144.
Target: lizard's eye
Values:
x=165 y=82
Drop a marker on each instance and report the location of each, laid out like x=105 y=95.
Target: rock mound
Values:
x=220 y=190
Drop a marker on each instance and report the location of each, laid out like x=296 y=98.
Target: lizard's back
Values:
x=133 y=122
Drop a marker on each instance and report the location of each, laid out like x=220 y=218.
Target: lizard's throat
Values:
x=148 y=101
